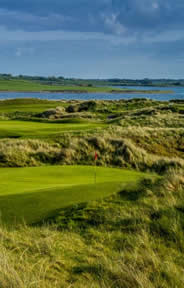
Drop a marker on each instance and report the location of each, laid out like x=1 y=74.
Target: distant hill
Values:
x=60 y=80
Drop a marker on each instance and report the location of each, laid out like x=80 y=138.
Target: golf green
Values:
x=33 y=194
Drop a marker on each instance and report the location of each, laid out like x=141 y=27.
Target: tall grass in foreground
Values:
x=133 y=239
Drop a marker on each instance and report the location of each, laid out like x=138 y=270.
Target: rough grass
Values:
x=141 y=149
x=155 y=115
x=153 y=140
x=131 y=239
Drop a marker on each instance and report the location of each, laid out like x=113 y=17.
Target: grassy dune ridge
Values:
x=132 y=148
x=126 y=133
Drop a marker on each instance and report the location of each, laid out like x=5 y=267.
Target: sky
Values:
x=92 y=39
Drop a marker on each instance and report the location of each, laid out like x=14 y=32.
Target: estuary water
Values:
x=178 y=93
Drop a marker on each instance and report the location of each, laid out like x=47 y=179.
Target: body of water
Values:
x=178 y=93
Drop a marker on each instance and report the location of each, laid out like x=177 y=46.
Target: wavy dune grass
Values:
x=117 y=147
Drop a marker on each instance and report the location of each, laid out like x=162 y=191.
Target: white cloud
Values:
x=112 y=23
x=155 y=5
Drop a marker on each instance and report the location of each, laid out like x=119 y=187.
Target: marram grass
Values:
x=131 y=239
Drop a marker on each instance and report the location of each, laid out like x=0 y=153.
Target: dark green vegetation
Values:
x=128 y=230
x=21 y=85
x=62 y=81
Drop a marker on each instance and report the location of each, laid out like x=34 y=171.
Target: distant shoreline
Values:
x=127 y=91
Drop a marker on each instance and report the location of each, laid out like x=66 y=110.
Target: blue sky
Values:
x=93 y=39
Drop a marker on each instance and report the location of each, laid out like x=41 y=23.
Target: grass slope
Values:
x=32 y=194
x=28 y=86
x=27 y=105
x=25 y=129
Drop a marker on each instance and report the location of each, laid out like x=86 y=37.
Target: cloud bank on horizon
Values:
x=92 y=39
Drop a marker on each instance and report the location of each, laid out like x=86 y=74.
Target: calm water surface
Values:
x=178 y=93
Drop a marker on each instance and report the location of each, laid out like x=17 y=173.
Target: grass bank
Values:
x=14 y=85
x=33 y=194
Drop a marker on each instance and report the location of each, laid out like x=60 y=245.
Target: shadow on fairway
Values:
x=34 y=207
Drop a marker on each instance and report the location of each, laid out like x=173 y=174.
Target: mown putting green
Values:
x=25 y=129
x=33 y=194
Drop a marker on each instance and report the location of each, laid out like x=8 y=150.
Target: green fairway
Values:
x=25 y=129
x=32 y=194
x=28 y=105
